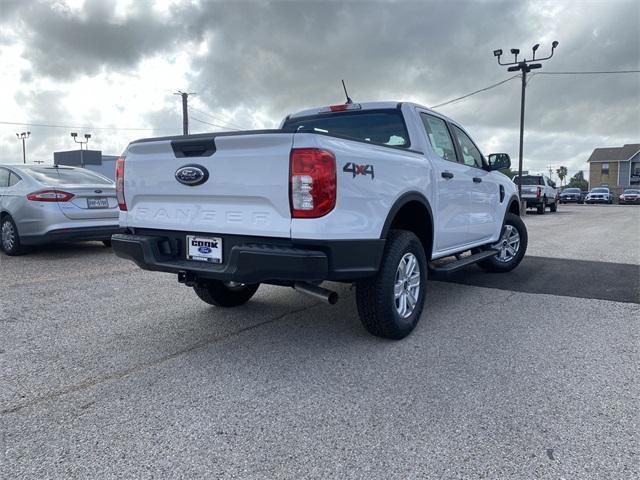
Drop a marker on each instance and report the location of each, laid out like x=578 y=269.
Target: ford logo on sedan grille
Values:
x=192 y=175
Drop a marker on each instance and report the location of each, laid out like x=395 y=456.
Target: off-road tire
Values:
x=375 y=297
x=16 y=247
x=492 y=264
x=553 y=207
x=218 y=293
x=107 y=243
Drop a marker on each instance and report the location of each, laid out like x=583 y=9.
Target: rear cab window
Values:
x=63 y=176
x=380 y=126
x=529 y=180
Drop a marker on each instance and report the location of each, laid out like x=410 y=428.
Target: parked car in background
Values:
x=599 y=195
x=538 y=191
x=630 y=196
x=45 y=204
x=572 y=195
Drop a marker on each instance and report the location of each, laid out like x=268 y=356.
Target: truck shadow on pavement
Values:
x=557 y=276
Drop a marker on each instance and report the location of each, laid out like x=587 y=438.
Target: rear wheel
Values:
x=390 y=304
x=554 y=206
x=511 y=246
x=9 y=237
x=541 y=208
x=225 y=294
x=107 y=243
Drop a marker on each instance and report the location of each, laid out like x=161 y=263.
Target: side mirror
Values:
x=499 y=161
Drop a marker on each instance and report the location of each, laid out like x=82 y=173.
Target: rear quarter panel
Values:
x=363 y=201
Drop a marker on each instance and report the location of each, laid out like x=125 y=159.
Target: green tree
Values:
x=562 y=174
x=578 y=181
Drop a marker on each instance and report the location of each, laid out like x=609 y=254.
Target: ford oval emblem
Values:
x=192 y=175
x=204 y=249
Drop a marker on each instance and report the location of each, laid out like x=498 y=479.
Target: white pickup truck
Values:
x=371 y=194
x=539 y=192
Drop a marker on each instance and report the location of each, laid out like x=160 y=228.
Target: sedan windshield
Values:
x=632 y=192
x=67 y=176
x=571 y=190
x=600 y=190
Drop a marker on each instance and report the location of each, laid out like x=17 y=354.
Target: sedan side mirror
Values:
x=499 y=161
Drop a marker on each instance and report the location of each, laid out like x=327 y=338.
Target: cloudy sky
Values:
x=111 y=66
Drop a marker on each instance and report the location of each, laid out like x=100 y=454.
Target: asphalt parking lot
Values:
x=107 y=371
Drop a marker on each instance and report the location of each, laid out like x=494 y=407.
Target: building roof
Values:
x=614 y=154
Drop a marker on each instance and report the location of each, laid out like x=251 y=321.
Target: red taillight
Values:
x=342 y=107
x=120 y=184
x=312 y=182
x=538 y=192
x=50 y=196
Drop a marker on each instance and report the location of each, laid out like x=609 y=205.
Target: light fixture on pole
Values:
x=23 y=136
x=87 y=136
x=525 y=66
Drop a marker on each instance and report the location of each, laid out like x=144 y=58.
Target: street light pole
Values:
x=87 y=136
x=525 y=66
x=23 y=136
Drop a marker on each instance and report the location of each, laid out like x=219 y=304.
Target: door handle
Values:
x=477 y=179
x=447 y=175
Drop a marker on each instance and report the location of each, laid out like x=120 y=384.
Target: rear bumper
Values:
x=533 y=202
x=72 y=234
x=255 y=259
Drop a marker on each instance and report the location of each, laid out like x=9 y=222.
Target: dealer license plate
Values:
x=204 y=249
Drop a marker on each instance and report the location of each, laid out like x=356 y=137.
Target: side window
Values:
x=471 y=156
x=4 y=177
x=13 y=179
x=438 y=135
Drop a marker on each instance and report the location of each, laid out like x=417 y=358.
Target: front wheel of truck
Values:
x=225 y=294
x=511 y=246
x=390 y=303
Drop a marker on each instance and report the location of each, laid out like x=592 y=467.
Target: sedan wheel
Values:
x=9 y=238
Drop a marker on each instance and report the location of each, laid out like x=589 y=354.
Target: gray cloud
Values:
x=278 y=57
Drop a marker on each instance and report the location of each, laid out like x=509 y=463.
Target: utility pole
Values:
x=23 y=136
x=550 y=167
x=87 y=136
x=525 y=66
x=185 y=112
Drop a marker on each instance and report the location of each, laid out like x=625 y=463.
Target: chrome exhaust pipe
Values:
x=324 y=294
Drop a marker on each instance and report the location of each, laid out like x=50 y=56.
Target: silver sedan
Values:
x=44 y=204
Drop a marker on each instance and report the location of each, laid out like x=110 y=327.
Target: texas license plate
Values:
x=97 y=202
x=204 y=249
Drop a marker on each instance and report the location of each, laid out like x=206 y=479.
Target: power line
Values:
x=221 y=120
x=80 y=127
x=595 y=72
x=476 y=92
x=209 y=123
x=587 y=73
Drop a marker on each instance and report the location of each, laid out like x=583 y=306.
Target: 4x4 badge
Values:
x=356 y=169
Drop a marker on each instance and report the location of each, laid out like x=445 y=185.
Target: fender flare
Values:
x=512 y=200
x=401 y=202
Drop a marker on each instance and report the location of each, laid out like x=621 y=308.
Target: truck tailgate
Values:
x=246 y=192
